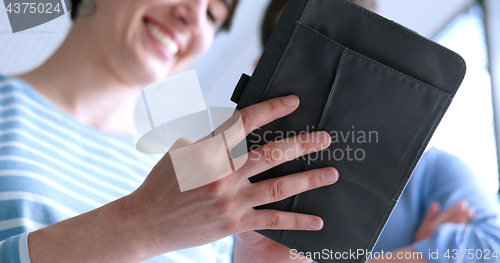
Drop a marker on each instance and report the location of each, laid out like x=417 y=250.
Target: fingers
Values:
x=278 y=152
x=256 y=116
x=272 y=219
x=460 y=213
x=277 y=189
x=260 y=114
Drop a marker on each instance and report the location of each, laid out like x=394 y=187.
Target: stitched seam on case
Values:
x=401 y=189
x=360 y=184
x=412 y=79
x=294 y=204
x=401 y=74
x=369 y=189
x=427 y=139
x=379 y=228
x=417 y=37
x=305 y=11
x=320 y=34
x=332 y=91
x=381 y=65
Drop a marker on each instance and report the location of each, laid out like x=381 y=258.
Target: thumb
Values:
x=181 y=143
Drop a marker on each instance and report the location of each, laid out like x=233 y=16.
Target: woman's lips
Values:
x=166 y=42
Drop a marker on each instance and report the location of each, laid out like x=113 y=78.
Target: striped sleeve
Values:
x=15 y=249
x=53 y=167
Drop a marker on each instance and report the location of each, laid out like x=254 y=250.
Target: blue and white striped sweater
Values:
x=53 y=168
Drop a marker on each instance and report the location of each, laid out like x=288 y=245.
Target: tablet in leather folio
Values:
x=378 y=88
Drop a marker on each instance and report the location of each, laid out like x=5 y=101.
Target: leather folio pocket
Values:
x=364 y=105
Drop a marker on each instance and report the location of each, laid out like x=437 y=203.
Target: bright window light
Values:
x=467 y=129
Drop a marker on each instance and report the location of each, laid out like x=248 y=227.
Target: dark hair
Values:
x=229 y=20
x=273 y=12
x=74 y=11
x=276 y=7
x=225 y=26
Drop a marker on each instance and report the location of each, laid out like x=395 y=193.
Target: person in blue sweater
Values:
x=73 y=188
x=444 y=214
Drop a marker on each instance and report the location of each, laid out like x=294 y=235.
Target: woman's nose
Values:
x=191 y=14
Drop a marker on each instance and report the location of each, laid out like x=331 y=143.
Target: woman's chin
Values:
x=155 y=76
x=151 y=73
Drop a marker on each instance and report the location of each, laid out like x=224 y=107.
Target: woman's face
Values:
x=144 y=41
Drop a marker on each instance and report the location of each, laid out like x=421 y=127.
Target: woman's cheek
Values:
x=204 y=40
x=199 y=47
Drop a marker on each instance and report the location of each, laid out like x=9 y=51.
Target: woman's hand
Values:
x=159 y=218
x=174 y=220
x=457 y=214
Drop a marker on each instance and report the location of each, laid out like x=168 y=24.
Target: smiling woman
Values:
x=74 y=189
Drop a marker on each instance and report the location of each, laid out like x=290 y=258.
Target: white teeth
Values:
x=163 y=38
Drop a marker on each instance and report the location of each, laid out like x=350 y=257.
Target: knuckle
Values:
x=304 y=146
x=312 y=181
x=277 y=190
x=274 y=221
x=270 y=155
x=217 y=188
x=184 y=141
x=298 y=222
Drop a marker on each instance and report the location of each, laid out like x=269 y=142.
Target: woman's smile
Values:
x=162 y=38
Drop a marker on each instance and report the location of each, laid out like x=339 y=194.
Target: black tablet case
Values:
x=356 y=71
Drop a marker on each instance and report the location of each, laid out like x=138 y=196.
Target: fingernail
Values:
x=314 y=224
x=322 y=138
x=330 y=176
x=291 y=100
